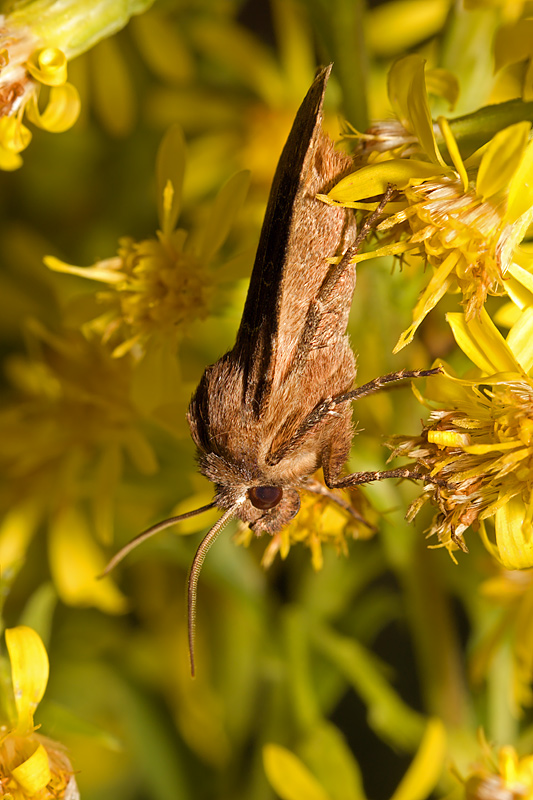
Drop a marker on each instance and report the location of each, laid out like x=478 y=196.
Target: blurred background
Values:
x=342 y=666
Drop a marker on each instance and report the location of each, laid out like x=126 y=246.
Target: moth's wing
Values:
x=299 y=233
x=256 y=396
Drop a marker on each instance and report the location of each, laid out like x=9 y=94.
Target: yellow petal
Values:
x=525 y=278
x=16 y=531
x=9 y=161
x=393 y=28
x=434 y=291
x=449 y=438
x=76 y=561
x=501 y=159
x=399 y=81
x=289 y=777
x=61 y=112
x=443 y=83
x=373 y=179
x=394 y=249
x=520 y=340
x=107 y=270
x=513 y=538
x=453 y=150
x=34 y=773
x=170 y=168
x=14 y=136
x=513 y=43
x=426 y=767
x=29 y=670
x=420 y=115
x=48 y=66
x=482 y=342
x=521 y=187
x=484 y=449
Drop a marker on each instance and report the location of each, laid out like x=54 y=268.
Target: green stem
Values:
x=435 y=638
x=302 y=695
x=471 y=131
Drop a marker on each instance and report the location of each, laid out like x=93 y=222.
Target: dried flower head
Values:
x=477 y=450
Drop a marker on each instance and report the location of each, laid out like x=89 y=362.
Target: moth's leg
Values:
x=377 y=384
x=332 y=470
x=333 y=276
x=357 y=478
x=315 y=313
x=328 y=407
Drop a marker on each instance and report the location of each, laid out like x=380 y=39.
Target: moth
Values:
x=277 y=407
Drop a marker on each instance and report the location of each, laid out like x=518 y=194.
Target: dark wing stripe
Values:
x=259 y=324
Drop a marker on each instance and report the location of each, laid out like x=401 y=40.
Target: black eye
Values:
x=265 y=496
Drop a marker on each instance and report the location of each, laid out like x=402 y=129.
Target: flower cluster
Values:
x=157 y=287
x=504 y=773
x=477 y=447
x=465 y=218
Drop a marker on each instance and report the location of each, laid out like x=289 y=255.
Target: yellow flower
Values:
x=466 y=219
x=64 y=437
x=503 y=774
x=31 y=766
x=325 y=517
x=158 y=286
x=477 y=448
x=37 y=39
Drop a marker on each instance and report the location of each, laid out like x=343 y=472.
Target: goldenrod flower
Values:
x=37 y=39
x=466 y=219
x=31 y=766
x=158 y=286
x=477 y=448
x=501 y=775
x=325 y=517
x=64 y=437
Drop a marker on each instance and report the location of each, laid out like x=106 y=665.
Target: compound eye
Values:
x=265 y=496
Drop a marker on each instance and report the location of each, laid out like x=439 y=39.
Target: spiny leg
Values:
x=332 y=278
x=358 y=478
x=377 y=384
x=328 y=407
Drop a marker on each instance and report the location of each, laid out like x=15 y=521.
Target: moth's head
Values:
x=267 y=509
x=266 y=505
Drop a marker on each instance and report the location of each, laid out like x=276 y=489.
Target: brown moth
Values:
x=277 y=407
